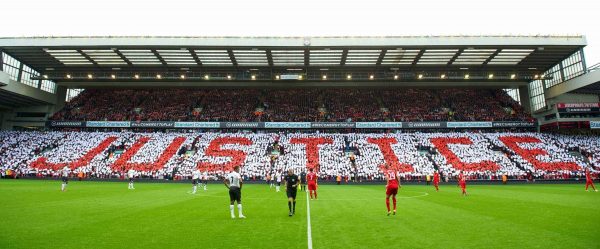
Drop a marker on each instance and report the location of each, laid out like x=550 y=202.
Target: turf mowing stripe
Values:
x=308 y=231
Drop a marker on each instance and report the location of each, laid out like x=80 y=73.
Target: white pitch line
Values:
x=308 y=231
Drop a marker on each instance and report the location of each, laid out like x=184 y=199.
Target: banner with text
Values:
x=66 y=123
x=197 y=125
x=578 y=107
x=108 y=124
x=289 y=125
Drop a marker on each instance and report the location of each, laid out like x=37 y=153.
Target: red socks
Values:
x=394 y=199
x=387 y=203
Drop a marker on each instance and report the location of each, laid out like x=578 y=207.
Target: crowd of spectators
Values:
x=361 y=156
x=413 y=105
x=293 y=105
x=131 y=105
x=229 y=105
x=357 y=105
x=480 y=105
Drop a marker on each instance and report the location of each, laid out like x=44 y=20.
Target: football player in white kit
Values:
x=204 y=179
x=65 y=178
x=130 y=175
x=278 y=179
x=272 y=181
x=195 y=179
x=233 y=182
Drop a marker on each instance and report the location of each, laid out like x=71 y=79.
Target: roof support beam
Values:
x=160 y=58
x=87 y=57
x=492 y=57
x=418 y=57
x=381 y=56
x=232 y=57
x=582 y=57
x=1 y=60
x=123 y=57
x=269 y=57
x=306 y=57
x=344 y=57
x=562 y=72
x=20 y=72
x=455 y=56
x=195 y=56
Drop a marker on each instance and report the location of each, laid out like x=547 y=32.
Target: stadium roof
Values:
x=309 y=58
x=593 y=88
x=8 y=99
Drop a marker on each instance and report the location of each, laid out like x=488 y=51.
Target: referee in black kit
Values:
x=291 y=184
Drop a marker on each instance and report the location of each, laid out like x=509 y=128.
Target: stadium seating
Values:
x=228 y=105
x=351 y=105
x=413 y=105
x=131 y=105
x=332 y=105
x=479 y=155
x=293 y=105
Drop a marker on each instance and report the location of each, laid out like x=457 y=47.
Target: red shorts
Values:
x=391 y=190
x=463 y=185
x=436 y=182
x=312 y=186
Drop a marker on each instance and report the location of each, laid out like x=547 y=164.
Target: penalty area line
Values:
x=308 y=229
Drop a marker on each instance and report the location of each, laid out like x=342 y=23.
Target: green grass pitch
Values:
x=36 y=214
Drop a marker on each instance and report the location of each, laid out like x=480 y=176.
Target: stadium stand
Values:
x=332 y=105
x=423 y=93
x=119 y=105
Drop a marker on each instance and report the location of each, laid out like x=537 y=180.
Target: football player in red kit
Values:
x=311 y=179
x=391 y=188
x=588 y=180
x=436 y=180
x=462 y=182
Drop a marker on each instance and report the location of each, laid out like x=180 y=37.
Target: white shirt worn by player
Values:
x=66 y=171
x=130 y=175
x=271 y=180
x=278 y=179
x=196 y=175
x=234 y=179
x=65 y=174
